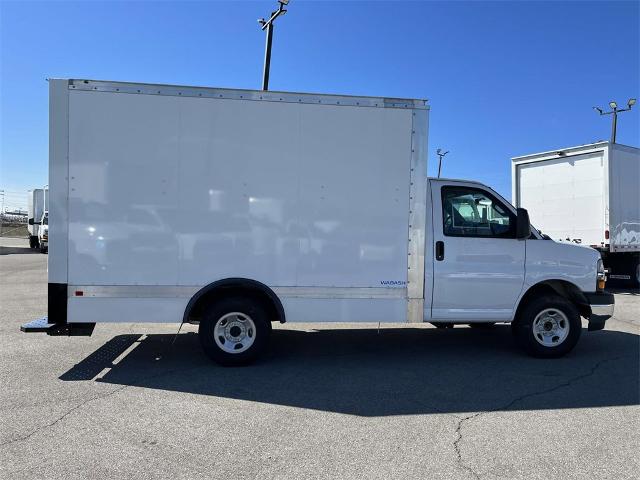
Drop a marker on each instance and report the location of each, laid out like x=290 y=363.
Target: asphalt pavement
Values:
x=328 y=401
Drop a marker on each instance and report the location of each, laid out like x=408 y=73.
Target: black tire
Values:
x=33 y=242
x=442 y=325
x=248 y=308
x=524 y=333
x=482 y=325
x=44 y=249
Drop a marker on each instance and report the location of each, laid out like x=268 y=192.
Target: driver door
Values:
x=478 y=263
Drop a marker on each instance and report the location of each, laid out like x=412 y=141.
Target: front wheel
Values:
x=234 y=331
x=548 y=327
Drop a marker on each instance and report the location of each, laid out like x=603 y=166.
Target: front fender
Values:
x=548 y=260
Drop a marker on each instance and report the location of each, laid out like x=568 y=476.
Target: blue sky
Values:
x=502 y=78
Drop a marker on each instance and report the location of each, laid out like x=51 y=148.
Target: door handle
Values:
x=439 y=250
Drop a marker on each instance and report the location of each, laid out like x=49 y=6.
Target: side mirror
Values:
x=523 y=227
x=31 y=221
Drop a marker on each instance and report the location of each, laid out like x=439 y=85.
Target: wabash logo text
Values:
x=393 y=283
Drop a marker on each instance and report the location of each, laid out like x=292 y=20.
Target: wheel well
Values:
x=242 y=287
x=558 y=287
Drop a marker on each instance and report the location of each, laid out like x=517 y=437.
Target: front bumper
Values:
x=602 y=306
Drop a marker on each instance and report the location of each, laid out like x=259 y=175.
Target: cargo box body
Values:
x=588 y=194
x=158 y=191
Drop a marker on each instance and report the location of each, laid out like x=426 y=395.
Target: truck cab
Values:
x=484 y=267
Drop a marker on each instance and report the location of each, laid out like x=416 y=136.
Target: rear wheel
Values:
x=234 y=331
x=548 y=327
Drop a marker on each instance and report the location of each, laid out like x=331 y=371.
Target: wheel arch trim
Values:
x=561 y=287
x=236 y=283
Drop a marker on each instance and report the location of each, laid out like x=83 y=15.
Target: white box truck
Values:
x=38 y=202
x=234 y=209
x=590 y=195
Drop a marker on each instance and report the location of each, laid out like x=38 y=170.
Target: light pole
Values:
x=268 y=25
x=614 y=111
x=2 y=211
x=441 y=154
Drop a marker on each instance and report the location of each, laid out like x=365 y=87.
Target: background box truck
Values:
x=234 y=209
x=589 y=195
x=38 y=201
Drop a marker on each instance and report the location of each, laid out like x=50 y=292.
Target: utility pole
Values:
x=268 y=25
x=614 y=111
x=441 y=154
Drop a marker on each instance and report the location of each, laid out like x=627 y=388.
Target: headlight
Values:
x=601 y=275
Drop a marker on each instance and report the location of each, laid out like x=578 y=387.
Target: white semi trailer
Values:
x=590 y=195
x=234 y=209
x=38 y=202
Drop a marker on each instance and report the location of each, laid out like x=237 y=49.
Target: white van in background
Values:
x=43 y=233
x=38 y=201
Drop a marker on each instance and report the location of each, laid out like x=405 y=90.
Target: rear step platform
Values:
x=42 y=325
x=39 y=325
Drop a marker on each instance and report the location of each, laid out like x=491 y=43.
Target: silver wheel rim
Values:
x=234 y=332
x=550 y=327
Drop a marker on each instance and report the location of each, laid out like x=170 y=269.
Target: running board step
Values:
x=42 y=325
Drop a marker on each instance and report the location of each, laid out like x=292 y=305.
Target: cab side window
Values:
x=471 y=212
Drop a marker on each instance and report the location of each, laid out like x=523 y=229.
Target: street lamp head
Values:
x=613 y=104
x=598 y=110
x=284 y=2
x=631 y=102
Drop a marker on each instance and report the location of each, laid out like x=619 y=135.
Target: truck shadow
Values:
x=18 y=250
x=397 y=372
